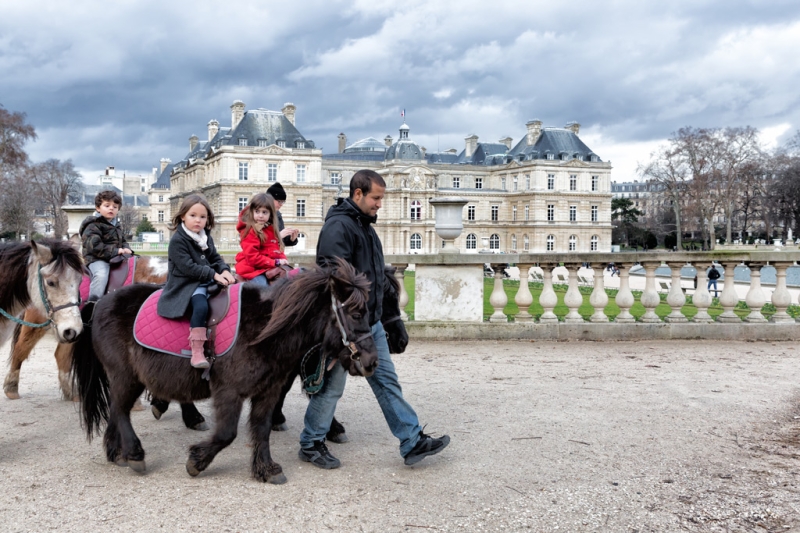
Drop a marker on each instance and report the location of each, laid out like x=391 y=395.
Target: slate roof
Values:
x=90 y=191
x=370 y=144
x=404 y=149
x=265 y=125
x=557 y=141
x=163 y=179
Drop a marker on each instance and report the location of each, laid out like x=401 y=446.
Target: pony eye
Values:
x=51 y=283
x=357 y=316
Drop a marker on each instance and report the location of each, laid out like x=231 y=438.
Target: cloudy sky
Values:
x=126 y=83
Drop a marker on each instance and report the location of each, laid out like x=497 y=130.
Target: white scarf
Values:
x=200 y=238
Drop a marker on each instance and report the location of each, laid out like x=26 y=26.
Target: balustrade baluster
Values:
x=624 y=298
x=498 y=299
x=755 y=296
x=781 y=298
x=573 y=298
x=548 y=299
x=599 y=298
x=676 y=298
x=701 y=297
x=650 y=298
x=403 y=298
x=729 y=298
x=523 y=298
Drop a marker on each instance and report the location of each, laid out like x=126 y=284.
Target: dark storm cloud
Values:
x=128 y=85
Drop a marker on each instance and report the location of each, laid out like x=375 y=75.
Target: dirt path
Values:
x=678 y=436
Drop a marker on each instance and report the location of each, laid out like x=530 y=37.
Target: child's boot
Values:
x=197 y=338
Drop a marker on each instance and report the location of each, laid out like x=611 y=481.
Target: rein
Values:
x=394 y=319
x=47 y=306
x=337 y=309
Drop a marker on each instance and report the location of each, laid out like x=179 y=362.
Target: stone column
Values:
x=523 y=298
x=755 y=296
x=573 y=299
x=624 y=298
x=728 y=299
x=781 y=298
x=676 y=299
x=400 y=274
x=498 y=299
x=548 y=299
x=599 y=298
x=702 y=298
x=650 y=298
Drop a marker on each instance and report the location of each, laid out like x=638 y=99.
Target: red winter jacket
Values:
x=257 y=257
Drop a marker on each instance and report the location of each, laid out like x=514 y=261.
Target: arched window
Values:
x=526 y=243
x=416 y=210
x=551 y=243
x=416 y=242
x=472 y=242
x=494 y=242
x=573 y=243
x=595 y=240
x=513 y=242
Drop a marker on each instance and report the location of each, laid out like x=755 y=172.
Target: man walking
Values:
x=713 y=276
x=289 y=235
x=348 y=233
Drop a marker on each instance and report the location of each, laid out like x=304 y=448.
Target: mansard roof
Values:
x=370 y=144
x=554 y=141
x=265 y=125
x=163 y=179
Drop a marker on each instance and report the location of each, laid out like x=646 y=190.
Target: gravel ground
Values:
x=569 y=436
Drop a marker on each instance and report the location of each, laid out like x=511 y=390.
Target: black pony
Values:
x=276 y=329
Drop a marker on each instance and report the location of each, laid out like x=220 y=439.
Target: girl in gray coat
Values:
x=193 y=265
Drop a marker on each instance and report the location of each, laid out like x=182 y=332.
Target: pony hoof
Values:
x=280 y=427
x=137 y=466
x=156 y=412
x=12 y=395
x=191 y=468
x=278 y=479
x=201 y=426
x=121 y=462
x=339 y=438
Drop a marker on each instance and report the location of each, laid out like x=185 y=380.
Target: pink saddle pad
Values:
x=171 y=336
x=86 y=282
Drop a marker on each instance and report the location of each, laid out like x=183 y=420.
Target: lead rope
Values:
x=45 y=301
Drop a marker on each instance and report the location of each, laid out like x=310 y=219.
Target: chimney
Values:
x=192 y=143
x=534 y=130
x=388 y=140
x=110 y=171
x=574 y=127
x=471 y=145
x=213 y=128
x=237 y=113
x=342 y=142
x=164 y=164
x=507 y=141
x=289 y=110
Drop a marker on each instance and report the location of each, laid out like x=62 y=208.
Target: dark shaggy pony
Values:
x=277 y=328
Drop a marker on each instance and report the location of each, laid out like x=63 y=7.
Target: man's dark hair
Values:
x=363 y=179
x=107 y=196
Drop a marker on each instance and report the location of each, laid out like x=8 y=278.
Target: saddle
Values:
x=170 y=336
x=120 y=275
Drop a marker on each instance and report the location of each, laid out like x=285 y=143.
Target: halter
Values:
x=47 y=306
x=337 y=306
x=393 y=319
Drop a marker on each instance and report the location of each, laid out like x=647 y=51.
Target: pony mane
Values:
x=389 y=272
x=297 y=297
x=65 y=256
x=13 y=270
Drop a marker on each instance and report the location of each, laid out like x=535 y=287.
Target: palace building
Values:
x=547 y=192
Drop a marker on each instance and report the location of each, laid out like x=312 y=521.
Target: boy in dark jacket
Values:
x=102 y=240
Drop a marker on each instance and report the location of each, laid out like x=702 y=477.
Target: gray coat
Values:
x=287 y=241
x=188 y=266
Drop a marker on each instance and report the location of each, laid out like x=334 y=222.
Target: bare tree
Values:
x=740 y=150
x=128 y=219
x=17 y=204
x=668 y=168
x=14 y=133
x=56 y=182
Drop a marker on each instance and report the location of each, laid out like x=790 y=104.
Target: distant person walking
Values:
x=713 y=276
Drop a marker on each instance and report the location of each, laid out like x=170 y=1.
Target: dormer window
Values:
x=551 y=156
x=281 y=144
x=300 y=144
x=242 y=142
x=262 y=143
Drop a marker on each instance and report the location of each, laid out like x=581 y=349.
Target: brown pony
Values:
x=148 y=270
x=325 y=307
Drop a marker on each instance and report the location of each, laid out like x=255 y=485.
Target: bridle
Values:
x=48 y=307
x=351 y=345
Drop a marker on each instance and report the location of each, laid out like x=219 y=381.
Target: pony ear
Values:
x=42 y=252
x=76 y=242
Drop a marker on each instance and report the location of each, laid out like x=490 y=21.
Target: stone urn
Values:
x=449 y=220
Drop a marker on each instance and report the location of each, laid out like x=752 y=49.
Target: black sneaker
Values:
x=318 y=455
x=426 y=446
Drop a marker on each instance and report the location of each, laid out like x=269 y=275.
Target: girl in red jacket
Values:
x=262 y=248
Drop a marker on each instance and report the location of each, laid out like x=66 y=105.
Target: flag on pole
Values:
x=403 y=113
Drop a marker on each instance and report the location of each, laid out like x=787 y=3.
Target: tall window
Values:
x=551 y=243
x=472 y=242
x=594 y=242
x=416 y=242
x=573 y=182
x=301 y=173
x=456 y=182
x=551 y=182
x=494 y=242
x=336 y=178
x=514 y=213
x=301 y=207
x=594 y=213
x=160 y=197
x=243 y=202
x=516 y=183
x=470 y=212
x=242 y=142
x=242 y=171
x=527 y=212
x=527 y=181
x=161 y=216
x=551 y=212
x=262 y=143
x=573 y=213
x=513 y=242
x=551 y=156
x=300 y=144
x=503 y=183
x=281 y=144
x=479 y=183
x=272 y=171
x=595 y=182
x=495 y=213
x=573 y=243
x=526 y=243
x=416 y=210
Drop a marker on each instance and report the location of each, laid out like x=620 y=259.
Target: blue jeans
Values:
x=261 y=280
x=399 y=415
x=714 y=283
x=99 y=270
